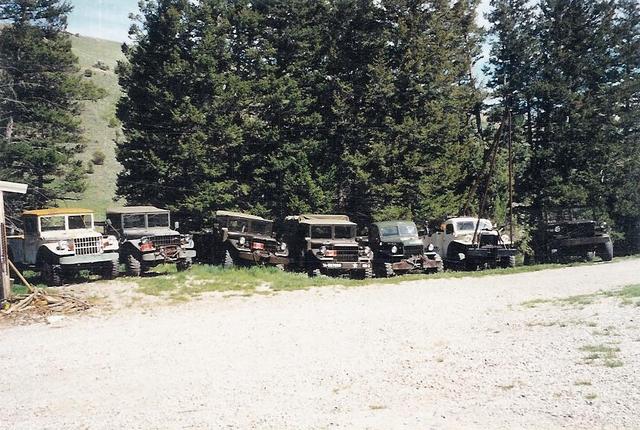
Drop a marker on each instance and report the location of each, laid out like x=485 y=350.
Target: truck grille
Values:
x=160 y=241
x=87 y=245
x=347 y=254
x=413 y=250
x=488 y=239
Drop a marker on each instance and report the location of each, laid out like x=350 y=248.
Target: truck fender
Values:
x=47 y=253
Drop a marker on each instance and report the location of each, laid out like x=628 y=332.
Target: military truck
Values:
x=326 y=245
x=472 y=243
x=397 y=249
x=147 y=239
x=571 y=232
x=239 y=239
x=59 y=242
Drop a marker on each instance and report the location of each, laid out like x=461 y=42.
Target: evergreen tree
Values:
x=41 y=90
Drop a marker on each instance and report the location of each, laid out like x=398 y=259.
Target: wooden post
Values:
x=6 y=187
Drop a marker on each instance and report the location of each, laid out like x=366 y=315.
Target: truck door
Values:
x=31 y=240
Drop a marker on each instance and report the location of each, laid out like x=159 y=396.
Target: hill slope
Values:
x=98 y=120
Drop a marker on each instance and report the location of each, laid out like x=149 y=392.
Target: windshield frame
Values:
x=484 y=223
x=65 y=226
x=148 y=219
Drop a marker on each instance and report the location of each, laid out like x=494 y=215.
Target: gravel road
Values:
x=452 y=353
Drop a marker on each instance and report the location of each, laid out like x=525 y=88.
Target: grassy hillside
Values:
x=98 y=121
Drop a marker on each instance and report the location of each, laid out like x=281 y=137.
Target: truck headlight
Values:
x=242 y=241
x=283 y=246
x=394 y=249
x=63 y=245
x=557 y=229
x=430 y=247
x=367 y=250
x=322 y=249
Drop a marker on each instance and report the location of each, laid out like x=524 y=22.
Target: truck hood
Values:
x=69 y=234
x=405 y=240
x=137 y=233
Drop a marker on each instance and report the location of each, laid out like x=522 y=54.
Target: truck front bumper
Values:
x=167 y=255
x=345 y=266
x=488 y=254
x=263 y=258
x=89 y=260
x=579 y=242
x=417 y=264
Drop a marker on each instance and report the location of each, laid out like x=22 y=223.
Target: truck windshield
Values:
x=77 y=222
x=261 y=227
x=238 y=225
x=321 y=232
x=52 y=223
x=471 y=225
x=158 y=220
x=133 y=221
x=389 y=231
x=344 y=232
x=408 y=230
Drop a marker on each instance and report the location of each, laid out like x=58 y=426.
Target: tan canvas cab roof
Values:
x=57 y=211
x=134 y=210
x=241 y=215
x=321 y=219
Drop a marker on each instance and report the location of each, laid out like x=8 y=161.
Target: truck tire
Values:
x=133 y=265
x=589 y=256
x=184 y=264
x=508 y=262
x=228 y=262
x=51 y=274
x=314 y=273
x=388 y=270
x=110 y=271
x=606 y=251
x=368 y=273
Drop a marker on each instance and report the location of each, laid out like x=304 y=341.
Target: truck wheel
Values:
x=388 y=270
x=132 y=265
x=183 y=265
x=368 y=273
x=228 y=260
x=606 y=251
x=589 y=256
x=314 y=273
x=110 y=271
x=51 y=274
x=508 y=262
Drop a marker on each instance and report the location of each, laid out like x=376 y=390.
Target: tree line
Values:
x=365 y=107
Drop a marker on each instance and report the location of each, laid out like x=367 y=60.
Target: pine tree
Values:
x=41 y=90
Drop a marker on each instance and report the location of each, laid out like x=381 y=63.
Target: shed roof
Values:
x=134 y=210
x=57 y=211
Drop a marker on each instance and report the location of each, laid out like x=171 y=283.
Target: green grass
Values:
x=204 y=278
x=625 y=294
x=95 y=121
x=606 y=353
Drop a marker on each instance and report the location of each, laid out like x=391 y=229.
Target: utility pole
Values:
x=6 y=187
x=510 y=178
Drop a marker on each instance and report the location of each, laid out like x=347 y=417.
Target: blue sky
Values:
x=109 y=19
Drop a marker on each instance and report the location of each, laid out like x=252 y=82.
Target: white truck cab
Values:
x=61 y=241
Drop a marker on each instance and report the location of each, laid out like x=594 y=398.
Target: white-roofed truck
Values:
x=469 y=243
x=147 y=239
x=59 y=242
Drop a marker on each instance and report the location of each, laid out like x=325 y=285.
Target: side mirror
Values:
x=176 y=225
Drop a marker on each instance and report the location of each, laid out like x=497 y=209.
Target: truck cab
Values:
x=471 y=243
x=398 y=249
x=147 y=239
x=240 y=239
x=326 y=244
x=59 y=242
